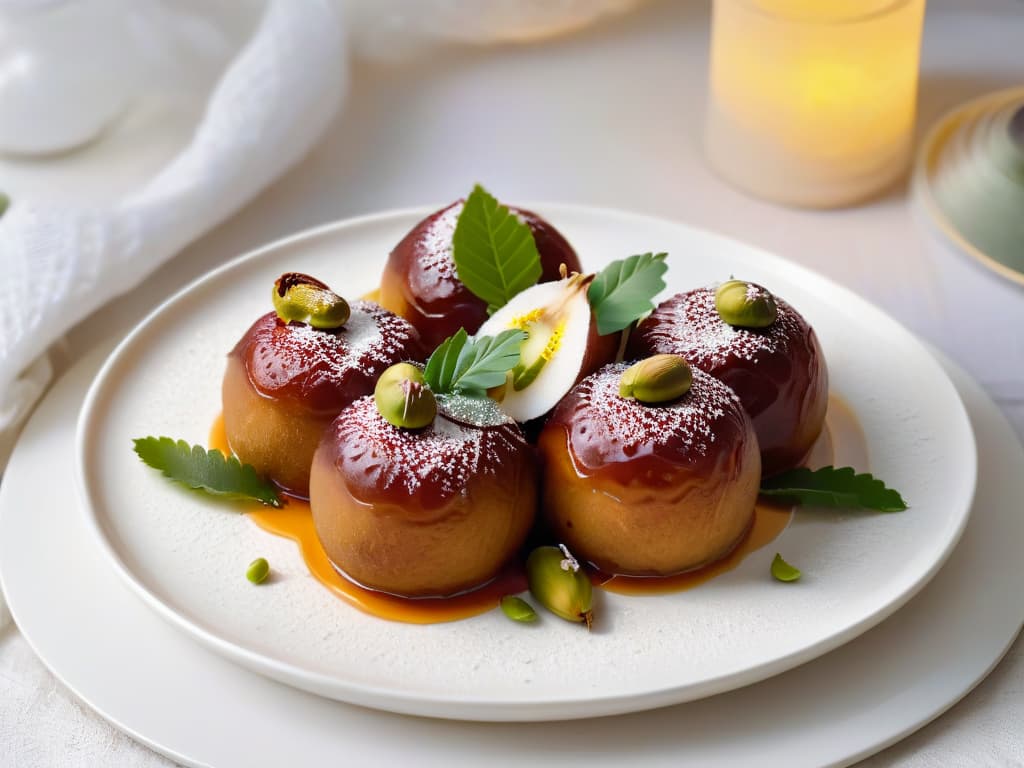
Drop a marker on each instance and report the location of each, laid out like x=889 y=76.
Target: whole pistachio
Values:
x=559 y=584
x=745 y=305
x=301 y=298
x=403 y=397
x=657 y=379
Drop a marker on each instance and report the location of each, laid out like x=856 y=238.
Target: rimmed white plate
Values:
x=186 y=556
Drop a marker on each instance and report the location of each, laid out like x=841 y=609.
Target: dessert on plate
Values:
x=650 y=469
x=760 y=347
x=421 y=482
x=417 y=501
x=297 y=367
x=420 y=281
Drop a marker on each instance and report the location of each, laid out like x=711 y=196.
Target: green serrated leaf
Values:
x=834 y=487
x=495 y=253
x=210 y=471
x=441 y=364
x=783 y=571
x=494 y=357
x=471 y=366
x=622 y=292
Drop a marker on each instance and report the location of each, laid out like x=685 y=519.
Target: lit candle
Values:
x=812 y=101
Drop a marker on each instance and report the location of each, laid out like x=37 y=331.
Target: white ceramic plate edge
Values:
x=256 y=702
x=462 y=706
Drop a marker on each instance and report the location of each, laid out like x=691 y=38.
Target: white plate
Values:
x=158 y=685
x=186 y=556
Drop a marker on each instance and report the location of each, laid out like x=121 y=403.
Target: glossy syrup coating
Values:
x=779 y=372
x=420 y=281
x=649 y=490
x=285 y=382
x=427 y=512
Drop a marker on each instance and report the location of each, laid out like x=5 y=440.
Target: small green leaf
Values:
x=783 y=571
x=834 y=487
x=622 y=292
x=441 y=364
x=495 y=253
x=472 y=366
x=518 y=609
x=210 y=471
x=4 y=202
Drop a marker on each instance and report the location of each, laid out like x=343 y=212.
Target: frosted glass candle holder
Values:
x=812 y=102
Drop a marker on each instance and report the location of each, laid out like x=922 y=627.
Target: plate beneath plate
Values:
x=201 y=709
x=186 y=556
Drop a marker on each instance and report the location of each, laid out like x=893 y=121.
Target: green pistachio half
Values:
x=559 y=584
x=745 y=305
x=258 y=570
x=403 y=397
x=301 y=298
x=658 y=379
x=783 y=571
x=518 y=609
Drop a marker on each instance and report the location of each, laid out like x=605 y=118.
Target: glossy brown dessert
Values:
x=426 y=512
x=649 y=490
x=778 y=371
x=420 y=282
x=285 y=382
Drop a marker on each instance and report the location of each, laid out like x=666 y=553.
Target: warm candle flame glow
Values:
x=813 y=101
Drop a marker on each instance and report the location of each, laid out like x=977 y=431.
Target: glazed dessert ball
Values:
x=286 y=381
x=420 y=281
x=433 y=511
x=777 y=368
x=649 y=488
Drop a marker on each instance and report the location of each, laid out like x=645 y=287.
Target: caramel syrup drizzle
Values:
x=295 y=521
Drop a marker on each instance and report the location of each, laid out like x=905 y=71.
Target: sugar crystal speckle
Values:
x=689 y=325
x=445 y=454
x=691 y=423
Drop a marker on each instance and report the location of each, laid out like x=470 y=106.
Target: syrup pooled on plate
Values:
x=770 y=519
x=295 y=522
x=419 y=513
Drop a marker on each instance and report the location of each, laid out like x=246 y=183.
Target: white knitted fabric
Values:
x=62 y=262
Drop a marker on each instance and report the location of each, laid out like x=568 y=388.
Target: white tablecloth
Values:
x=609 y=117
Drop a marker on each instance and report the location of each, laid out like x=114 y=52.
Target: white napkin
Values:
x=59 y=262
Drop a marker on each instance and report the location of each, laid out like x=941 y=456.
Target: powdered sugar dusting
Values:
x=689 y=325
x=436 y=242
x=328 y=369
x=444 y=455
x=625 y=428
x=372 y=337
